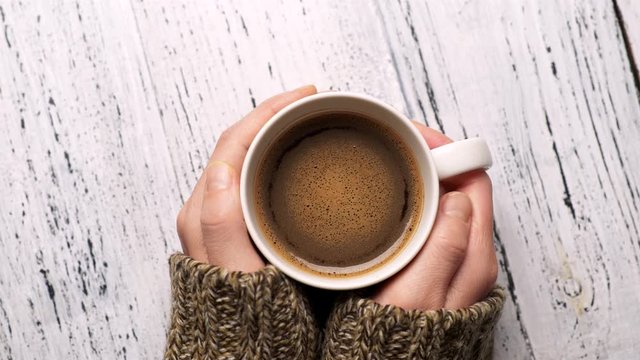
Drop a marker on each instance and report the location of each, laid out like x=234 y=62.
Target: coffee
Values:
x=336 y=191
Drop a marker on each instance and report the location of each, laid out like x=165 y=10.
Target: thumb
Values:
x=223 y=230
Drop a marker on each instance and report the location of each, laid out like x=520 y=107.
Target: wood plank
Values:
x=550 y=85
x=628 y=16
x=88 y=192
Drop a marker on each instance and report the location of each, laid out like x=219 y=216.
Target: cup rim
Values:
x=385 y=271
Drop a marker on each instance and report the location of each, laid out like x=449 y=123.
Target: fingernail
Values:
x=305 y=88
x=219 y=176
x=458 y=205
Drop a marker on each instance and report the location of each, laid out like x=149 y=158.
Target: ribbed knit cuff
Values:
x=363 y=329
x=217 y=314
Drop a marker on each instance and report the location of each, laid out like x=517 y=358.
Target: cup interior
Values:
x=371 y=108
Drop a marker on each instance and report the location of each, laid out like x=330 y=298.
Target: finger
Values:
x=479 y=269
x=478 y=272
x=188 y=224
x=423 y=284
x=433 y=137
x=223 y=230
x=233 y=144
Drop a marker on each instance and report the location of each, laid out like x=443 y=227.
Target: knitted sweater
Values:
x=217 y=314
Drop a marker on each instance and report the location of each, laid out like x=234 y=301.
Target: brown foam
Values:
x=338 y=190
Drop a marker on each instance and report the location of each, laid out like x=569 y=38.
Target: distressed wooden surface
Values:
x=628 y=15
x=110 y=109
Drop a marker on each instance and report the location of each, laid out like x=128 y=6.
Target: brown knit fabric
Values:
x=218 y=314
x=362 y=329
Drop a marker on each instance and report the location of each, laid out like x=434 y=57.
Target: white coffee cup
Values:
x=434 y=165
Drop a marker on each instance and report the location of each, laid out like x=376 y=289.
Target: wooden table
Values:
x=109 y=110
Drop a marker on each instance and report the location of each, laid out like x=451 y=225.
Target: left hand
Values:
x=210 y=224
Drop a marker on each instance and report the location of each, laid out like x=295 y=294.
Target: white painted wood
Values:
x=630 y=17
x=88 y=192
x=122 y=101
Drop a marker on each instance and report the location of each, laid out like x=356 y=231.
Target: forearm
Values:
x=362 y=329
x=220 y=314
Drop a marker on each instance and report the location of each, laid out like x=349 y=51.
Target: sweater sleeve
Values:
x=363 y=329
x=217 y=314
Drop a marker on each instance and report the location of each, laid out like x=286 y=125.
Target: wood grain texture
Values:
x=110 y=110
x=628 y=16
x=88 y=193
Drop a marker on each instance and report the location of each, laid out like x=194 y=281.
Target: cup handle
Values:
x=461 y=156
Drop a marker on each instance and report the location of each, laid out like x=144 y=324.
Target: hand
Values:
x=457 y=266
x=210 y=224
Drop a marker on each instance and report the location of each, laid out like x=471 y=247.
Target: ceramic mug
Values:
x=434 y=165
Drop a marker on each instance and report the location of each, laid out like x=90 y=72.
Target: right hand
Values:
x=210 y=224
x=457 y=266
